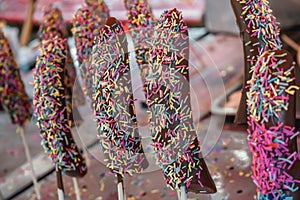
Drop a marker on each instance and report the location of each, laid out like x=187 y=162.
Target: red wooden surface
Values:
x=15 y=10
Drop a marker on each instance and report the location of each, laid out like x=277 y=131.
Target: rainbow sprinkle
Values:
x=85 y=29
x=114 y=103
x=12 y=91
x=52 y=26
x=260 y=32
x=168 y=98
x=50 y=108
x=261 y=28
x=141 y=24
x=99 y=10
x=271 y=87
x=52 y=23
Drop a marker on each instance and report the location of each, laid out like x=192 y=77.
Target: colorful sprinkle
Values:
x=141 y=24
x=269 y=134
x=85 y=29
x=269 y=86
x=99 y=10
x=114 y=103
x=168 y=98
x=50 y=107
x=260 y=32
x=52 y=26
x=12 y=91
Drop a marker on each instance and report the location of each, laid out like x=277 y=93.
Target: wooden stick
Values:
x=2 y=23
x=60 y=185
x=290 y=42
x=77 y=191
x=183 y=193
x=27 y=26
x=1 y=196
x=120 y=187
x=20 y=130
x=178 y=194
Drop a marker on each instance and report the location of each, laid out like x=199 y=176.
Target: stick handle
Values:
x=1 y=196
x=77 y=191
x=290 y=42
x=178 y=194
x=20 y=130
x=120 y=188
x=60 y=185
x=60 y=194
x=27 y=26
x=183 y=193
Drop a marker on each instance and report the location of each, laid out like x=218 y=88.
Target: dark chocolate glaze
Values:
x=58 y=142
x=241 y=115
x=179 y=114
x=290 y=120
x=115 y=72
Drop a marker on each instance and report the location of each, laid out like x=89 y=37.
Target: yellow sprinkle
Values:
x=290 y=90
